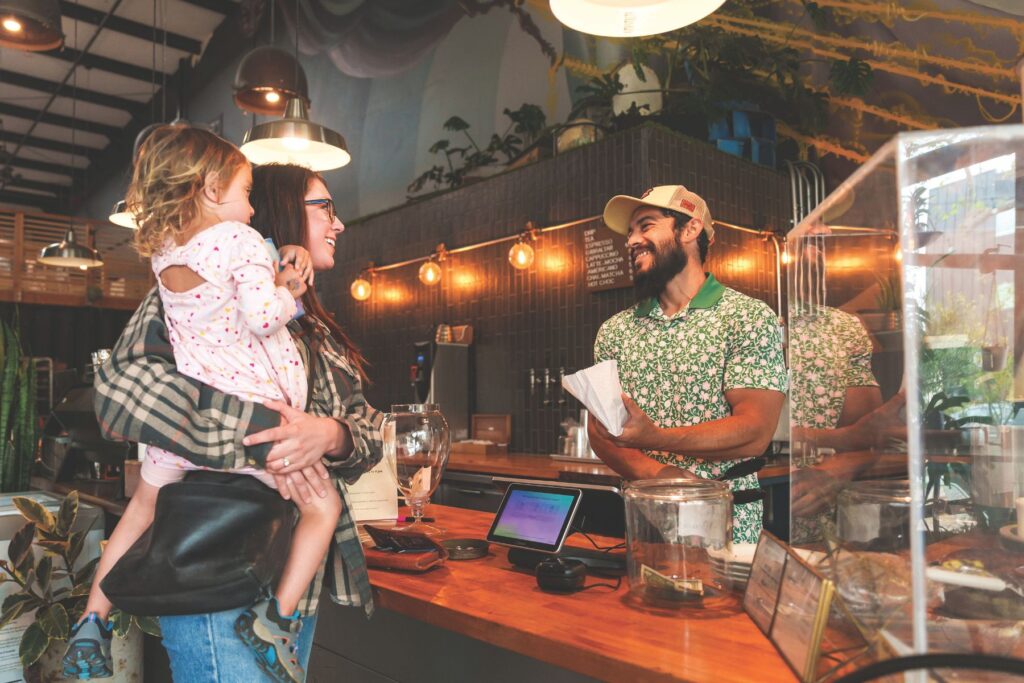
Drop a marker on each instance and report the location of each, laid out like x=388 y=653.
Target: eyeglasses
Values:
x=328 y=205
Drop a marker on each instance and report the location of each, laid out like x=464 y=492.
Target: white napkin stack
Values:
x=598 y=388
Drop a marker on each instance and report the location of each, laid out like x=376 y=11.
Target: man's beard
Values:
x=669 y=261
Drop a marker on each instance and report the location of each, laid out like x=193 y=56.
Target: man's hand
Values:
x=639 y=431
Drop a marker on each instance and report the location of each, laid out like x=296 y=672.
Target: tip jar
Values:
x=671 y=525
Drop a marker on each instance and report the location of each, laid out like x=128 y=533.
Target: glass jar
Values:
x=416 y=447
x=671 y=524
x=875 y=515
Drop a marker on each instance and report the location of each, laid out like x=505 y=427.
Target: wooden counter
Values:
x=596 y=633
x=530 y=466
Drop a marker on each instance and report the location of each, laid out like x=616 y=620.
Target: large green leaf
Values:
x=9 y=615
x=54 y=621
x=75 y=543
x=68 y=513
x=43 y=572
x=121 y=622
x=149 y=625
x=20 y=598
x=33 y=644
x=21 y=544
x=35 y=513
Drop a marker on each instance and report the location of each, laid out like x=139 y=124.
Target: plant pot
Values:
x=126 y=653
x=993 y=358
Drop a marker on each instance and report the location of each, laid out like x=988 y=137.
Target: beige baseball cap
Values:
x=619 y=209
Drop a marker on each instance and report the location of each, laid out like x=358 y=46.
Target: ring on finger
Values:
x=286 y=462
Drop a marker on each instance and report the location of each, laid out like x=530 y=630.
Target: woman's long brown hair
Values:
x=278 y=195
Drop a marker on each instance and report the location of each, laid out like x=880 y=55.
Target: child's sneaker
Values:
x=88 y=653
x=272 y=639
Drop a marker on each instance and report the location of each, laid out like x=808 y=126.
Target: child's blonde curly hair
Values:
x=165 y=194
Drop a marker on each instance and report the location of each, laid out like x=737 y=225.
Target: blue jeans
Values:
x=204 y=648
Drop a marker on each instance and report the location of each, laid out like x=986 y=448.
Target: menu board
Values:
x=607 y=259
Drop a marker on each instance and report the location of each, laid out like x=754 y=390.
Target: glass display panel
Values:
x=905 y=337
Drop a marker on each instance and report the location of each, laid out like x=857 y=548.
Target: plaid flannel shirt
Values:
x=141 y=396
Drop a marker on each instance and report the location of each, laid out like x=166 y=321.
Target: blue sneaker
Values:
x=271 y=638
x=88 y=653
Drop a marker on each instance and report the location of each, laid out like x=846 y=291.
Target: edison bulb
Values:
x=785 y=257
x=273 y=97
x=520 y=255
x=13 y=25
x=361 y=289
x=430 y=273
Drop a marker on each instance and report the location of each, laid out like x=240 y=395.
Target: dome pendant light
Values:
x=70 y=254
x=296 y=140
x=119 y=215
x=32 y=25
x=631 y=18
x=266 y=79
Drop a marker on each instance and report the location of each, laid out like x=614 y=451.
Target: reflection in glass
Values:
x=416 y=446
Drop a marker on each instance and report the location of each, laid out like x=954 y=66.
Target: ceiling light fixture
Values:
x=296 y=140
x=119 y=215
x=266 y=79
x=69 y=254
x=631 y=18
x=32 y=25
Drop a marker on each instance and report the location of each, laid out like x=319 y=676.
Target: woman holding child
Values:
x=301 y=423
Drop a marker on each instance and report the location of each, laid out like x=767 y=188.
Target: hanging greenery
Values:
x=18 y=425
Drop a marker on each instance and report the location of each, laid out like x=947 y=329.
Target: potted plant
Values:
x=47 y=584
x=18 y=427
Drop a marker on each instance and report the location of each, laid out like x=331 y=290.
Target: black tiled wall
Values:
x=543 y=317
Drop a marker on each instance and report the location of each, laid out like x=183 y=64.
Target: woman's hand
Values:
x=300 y=441
x=289 y=278
x=300 y=258
x=302 y=485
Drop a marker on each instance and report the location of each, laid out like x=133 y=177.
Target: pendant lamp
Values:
x=119 y=215
x=266 y=79
x=296 y=140
x=70 y=254
x=630 y=18
x=32 y=25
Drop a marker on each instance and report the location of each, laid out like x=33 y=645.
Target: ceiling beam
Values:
x=23 y=183
x=47 y=204
x=91 y=61
x=91 y=96
x=7 y=109
x=224 y=7
x=224 y=47
x=48 y=144
x=77 y=175
x=130 y=28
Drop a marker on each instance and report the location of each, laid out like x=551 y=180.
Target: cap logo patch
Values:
x=688 y=205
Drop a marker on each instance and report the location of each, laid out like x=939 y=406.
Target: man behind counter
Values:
x=701 y=365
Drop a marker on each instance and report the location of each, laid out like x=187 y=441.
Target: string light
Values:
x=362 y=288
x=521 y=254
x=430 y=271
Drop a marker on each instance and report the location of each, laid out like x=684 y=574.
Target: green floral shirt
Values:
x=678 y=369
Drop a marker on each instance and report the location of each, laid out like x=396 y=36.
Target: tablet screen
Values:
x=535 y=517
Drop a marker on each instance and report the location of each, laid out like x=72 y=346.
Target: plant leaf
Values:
x=19 y=598
x=21 y=544
x=852 y=77
x=149 y=625
x=33 y=644
x=54 y=621
x=13 y=613
x=439 y=146
x=68 y=513
x=456 y=124
x=75 y=542
x=35 y=513
x=44 y=571
x=55 y=547
x=122 y=622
